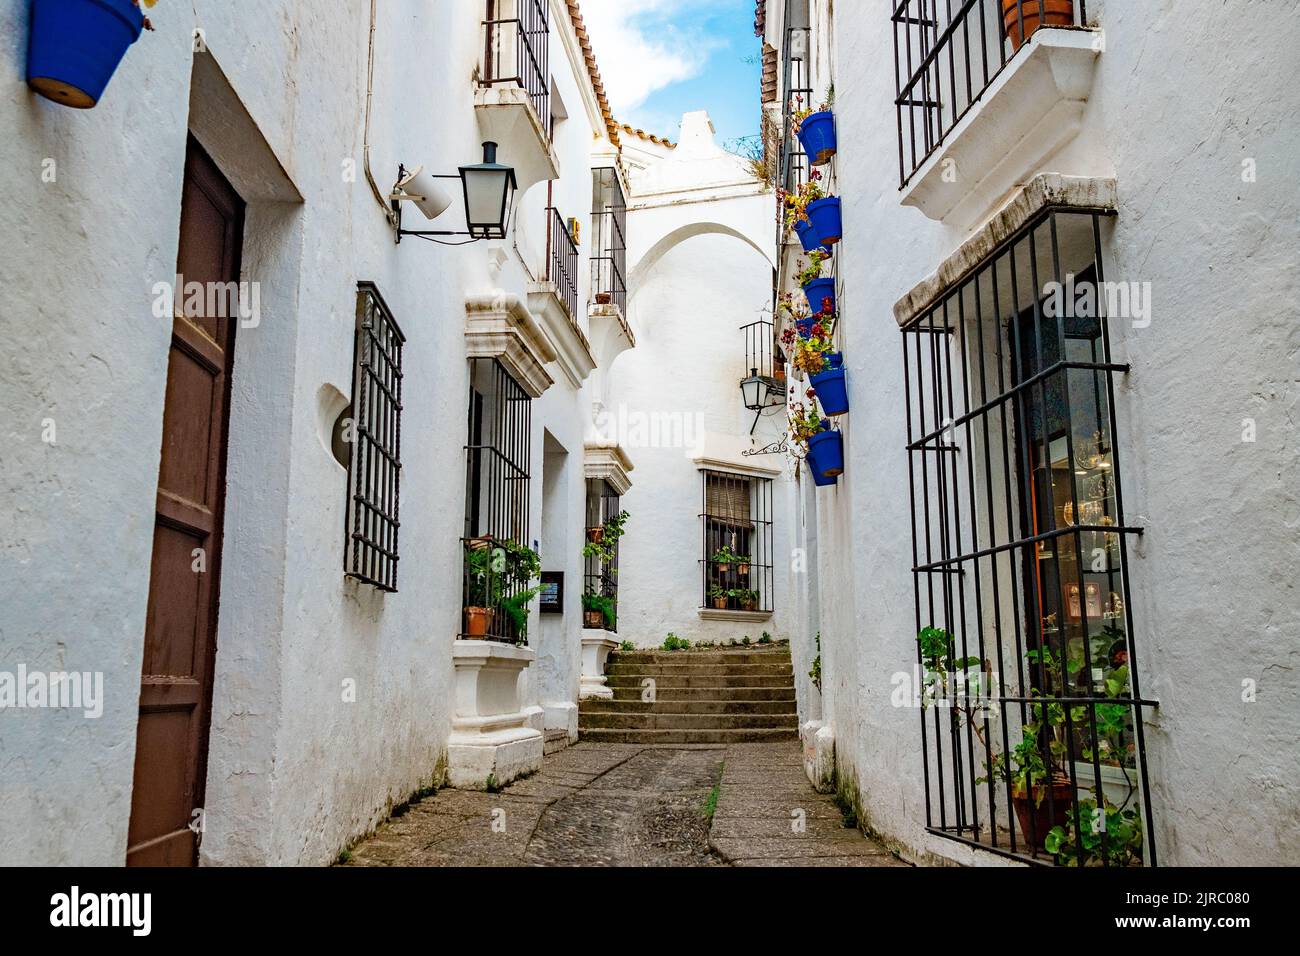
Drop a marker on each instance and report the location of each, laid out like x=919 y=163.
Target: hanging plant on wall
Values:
x=816 y=130
x=75 y=46
x=602 y=540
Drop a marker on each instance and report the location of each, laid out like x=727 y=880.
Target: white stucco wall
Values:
x=294 y=771
x=1214 y=576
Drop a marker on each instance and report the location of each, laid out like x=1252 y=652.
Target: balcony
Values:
x=513 y=98
x=607 y=311
x=554 y=300
x=987 y=90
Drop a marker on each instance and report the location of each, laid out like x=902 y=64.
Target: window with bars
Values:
x=608 y=245
x=375 y=466
x=1032 y=717
x=600 y=557
x=499 y=564
x=736 y=529
x=516 y=51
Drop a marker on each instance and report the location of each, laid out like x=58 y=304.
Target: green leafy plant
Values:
x=606 y=548
x=593 y=600
x=813 y=269
x=711 y=803
x=766 y=638
x=724 y=555
x=745 y=597
x=674 y=643
x=745 y=640
x=627 y=646
x=516 y=609
x=1107 y=836
x=815 y=674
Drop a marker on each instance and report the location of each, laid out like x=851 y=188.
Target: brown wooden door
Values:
x=180 y=628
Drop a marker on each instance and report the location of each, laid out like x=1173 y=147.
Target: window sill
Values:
x=713 y=614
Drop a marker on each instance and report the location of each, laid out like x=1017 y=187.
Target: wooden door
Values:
x=180 y=627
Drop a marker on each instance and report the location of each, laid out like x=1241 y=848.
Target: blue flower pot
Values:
x=75 y=45
x=831 y=387
x=823 y=481
x=826 y=454
x=804 y=326
x=819 y=290
x=808 y=236
x=817 y=136
x=825 y=217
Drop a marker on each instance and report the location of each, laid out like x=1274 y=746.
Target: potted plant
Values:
x=816 y=131
x=598 y=610
x=1034 y=14
x=518 y=565
x=742 y=565
x=483 y=570
x=797 y=211
x=830 y=386
x=746 y=598
x=827 y=223
x=604 y=298
x=602 y=540
x=76 y=45
x=718 y=597
x=596 y=534
x=819 y=290
x=723 y=559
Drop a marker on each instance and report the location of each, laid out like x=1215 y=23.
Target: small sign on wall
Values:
x=552 y=596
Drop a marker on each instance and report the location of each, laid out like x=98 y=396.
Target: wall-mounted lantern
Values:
x=489 y=192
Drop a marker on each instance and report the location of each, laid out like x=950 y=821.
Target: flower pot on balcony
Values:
x=1037 y=13
x=478 y=621
x=720 y=604
x=807 y=236
x=818 y=291
x=804 y=326
x=742 y=569
x=596 y=535
x=593 y=619
x=826 y=453
x=1044 y=816
x=723 y=568
x=75 y=45
x=817 y=136
x=604 y=298
x=832 y=388
x=826 y=222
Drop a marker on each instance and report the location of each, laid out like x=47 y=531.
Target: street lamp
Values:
x=754 y=391
x=488 y=188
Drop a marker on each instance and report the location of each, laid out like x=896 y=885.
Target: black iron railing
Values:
x=516 y=35
x=562 y=260
x=608 y=242
x=600 y=557
x=1031 y=709
x=796 y=87
x=765 y=360
x=497 y=483
x=736 y=529
x=370 y=552
x=948 y=52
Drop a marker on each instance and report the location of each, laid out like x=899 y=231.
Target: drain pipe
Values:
x=370 y=95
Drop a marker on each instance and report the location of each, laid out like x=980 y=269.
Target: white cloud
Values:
x=640 y=49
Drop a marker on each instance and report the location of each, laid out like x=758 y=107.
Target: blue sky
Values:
x=661 y=58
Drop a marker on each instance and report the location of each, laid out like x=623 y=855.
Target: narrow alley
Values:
x=598 y=804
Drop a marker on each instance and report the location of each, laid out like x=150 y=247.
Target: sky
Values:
x=662 y=58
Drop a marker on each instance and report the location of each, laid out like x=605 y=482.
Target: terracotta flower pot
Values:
x=604 y=298
x=724 y=568
x=593 y=619
x=596 y=535
x=478 y=620
x=1051 y=13
x=748 y=605
x=742 y=569
x=720 y=603
x=1044 y=816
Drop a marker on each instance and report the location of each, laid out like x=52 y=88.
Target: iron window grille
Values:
x=375 y=467
x=736 y=516
x=516 y=50
x=946 y=55
x=600 y=574
x=608 y=245
x=562 y=260
x=497 y=489
x=1020 y=557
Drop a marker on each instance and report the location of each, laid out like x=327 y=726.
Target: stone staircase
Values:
x=699 y=697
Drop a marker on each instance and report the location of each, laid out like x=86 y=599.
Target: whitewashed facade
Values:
x=332 y=700
x=1192 y=178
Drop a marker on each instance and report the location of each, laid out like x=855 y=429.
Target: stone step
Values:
x=702 y=680
x=700 y=657
x=654 y=737
x=687 y=706
x=656 y=669
x=663 y=693
x=660 y=721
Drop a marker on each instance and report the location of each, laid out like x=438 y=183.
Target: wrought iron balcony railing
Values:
x=946 y=55
x=562 y=260
x=608 y=242
x=515 y=51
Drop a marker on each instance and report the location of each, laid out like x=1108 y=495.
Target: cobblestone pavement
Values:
x=628 y=805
